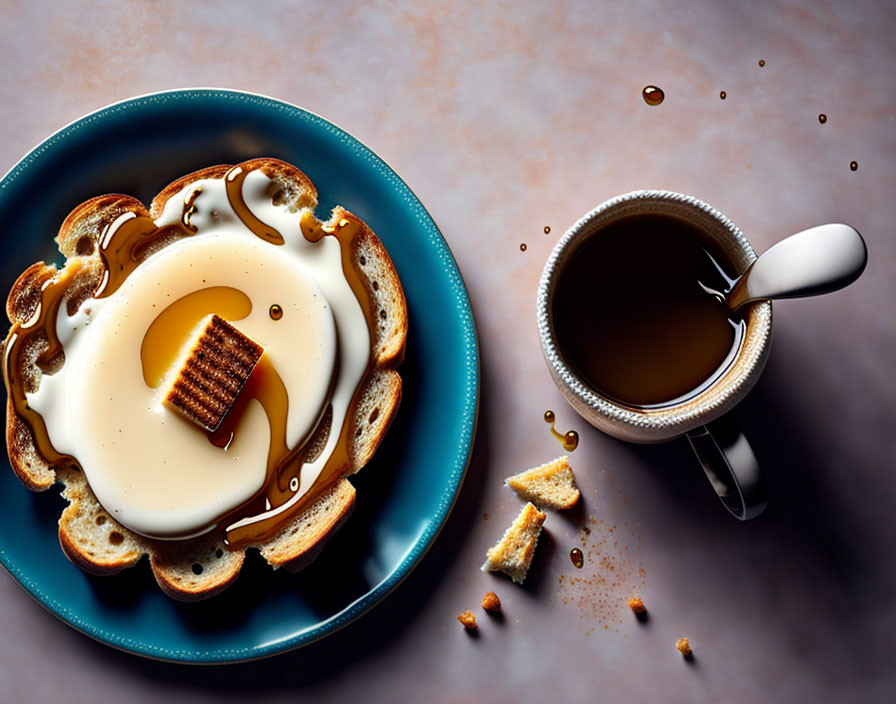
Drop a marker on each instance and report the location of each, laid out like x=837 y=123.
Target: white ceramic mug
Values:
x=726 y=458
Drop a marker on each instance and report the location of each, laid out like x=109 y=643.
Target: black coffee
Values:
x=634 y=318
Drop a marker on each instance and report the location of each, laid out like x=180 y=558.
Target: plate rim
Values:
x=471 y=361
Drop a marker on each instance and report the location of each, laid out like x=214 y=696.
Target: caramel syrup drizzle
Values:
x=21 y=337
x=283 y=465
x=166 y=334
x=159 y=350
x=280 y=505
x=233 y=180
x=121 y=251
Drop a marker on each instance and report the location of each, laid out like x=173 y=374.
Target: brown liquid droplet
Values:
x=484 y=516
x=276 y=312
x=578 y=559
x=547 y=229
x=762 y=62
x=822 y=118
x=853 y=165
x=523 y=247
x=653 y=95
x=570 y=440
x=723 y=95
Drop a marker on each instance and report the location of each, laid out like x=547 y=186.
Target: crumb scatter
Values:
x=468 y=620
x=610 y=576
x=491 y=602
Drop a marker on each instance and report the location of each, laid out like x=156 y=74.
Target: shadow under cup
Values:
x=725 y=456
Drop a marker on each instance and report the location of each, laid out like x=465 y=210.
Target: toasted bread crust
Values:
x=31 y=470
x=296 y=546
x=84 y=226
x=108 y=547
x=24 y=297
x=89 y=536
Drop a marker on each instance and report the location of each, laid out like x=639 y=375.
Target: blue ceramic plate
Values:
x=404 y=494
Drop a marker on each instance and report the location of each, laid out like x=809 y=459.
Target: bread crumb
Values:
x=637 y=605
x=513 y=553
x=551 y=485
x=468 y=620
x=491 y=602
x=684 y=647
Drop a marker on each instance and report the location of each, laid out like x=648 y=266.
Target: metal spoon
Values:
x=814 y=261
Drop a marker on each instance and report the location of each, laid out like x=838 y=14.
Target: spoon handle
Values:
x=817 y=260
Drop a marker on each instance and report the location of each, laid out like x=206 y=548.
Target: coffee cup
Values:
x=726 y=456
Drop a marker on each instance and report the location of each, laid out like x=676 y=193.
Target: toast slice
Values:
x=198 y=568
x=551 y=485
x=513 y=553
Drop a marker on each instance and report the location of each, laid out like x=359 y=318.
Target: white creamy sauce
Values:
x=155 y=472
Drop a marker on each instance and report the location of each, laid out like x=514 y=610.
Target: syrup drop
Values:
x=723 y=95
x=523 y=247
x=578 y=559
x=570 y=441
x=547 y=229
x=761 y=62
x=822 y=118
x=853 y=165
x=653 y=95
x=276 y=312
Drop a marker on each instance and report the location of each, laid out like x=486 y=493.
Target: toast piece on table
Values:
x=551 y=485
x=513 y=553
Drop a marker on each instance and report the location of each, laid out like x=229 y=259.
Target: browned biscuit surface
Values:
x=218 y=364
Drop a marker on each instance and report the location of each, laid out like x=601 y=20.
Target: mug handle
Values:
x=731 y=467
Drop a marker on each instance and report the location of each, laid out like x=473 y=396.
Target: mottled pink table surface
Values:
x=506 y=119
